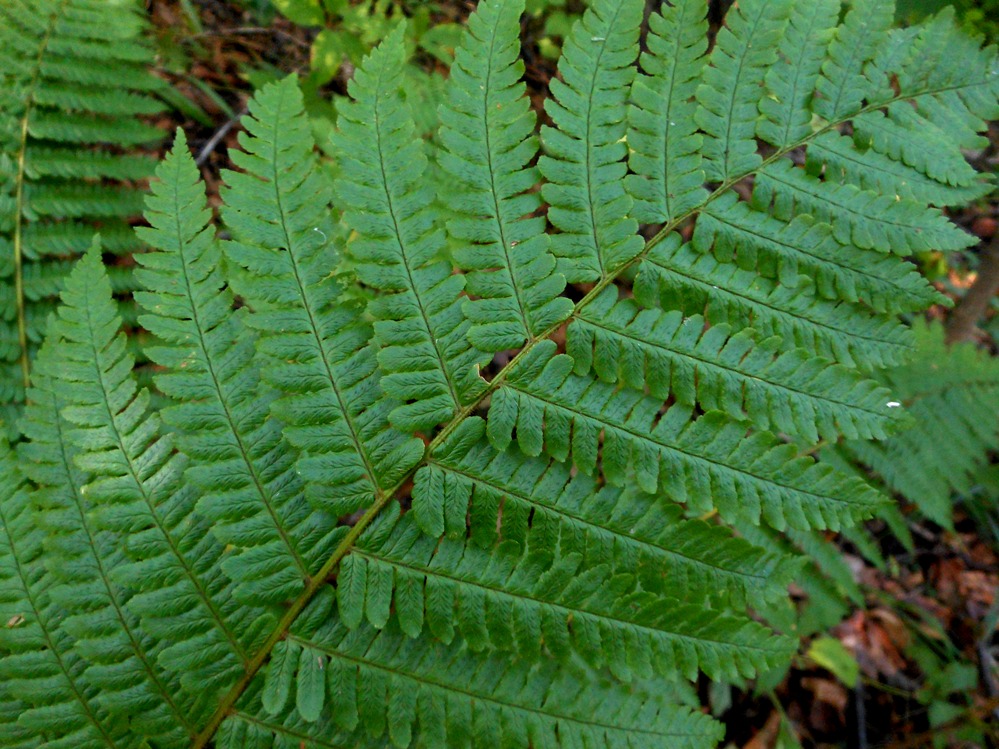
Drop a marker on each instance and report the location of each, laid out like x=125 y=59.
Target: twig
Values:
x=216 y=138
x=860 y=713
x=253 y=31
x=975 y=303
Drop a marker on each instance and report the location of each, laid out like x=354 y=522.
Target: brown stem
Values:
x=975 y=303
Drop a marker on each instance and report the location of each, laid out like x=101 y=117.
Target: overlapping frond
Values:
x=421 y=330
x=239 y=460
x=320 y=354
x=74 y=85
x=487 y=132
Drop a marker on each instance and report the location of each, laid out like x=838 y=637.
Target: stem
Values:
x=961 y=325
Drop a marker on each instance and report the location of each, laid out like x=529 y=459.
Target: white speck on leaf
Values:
x=893 y=404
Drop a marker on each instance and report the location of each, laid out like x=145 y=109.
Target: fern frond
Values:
x=584 y=162
x=137 y=484
x=488 y=142
x=43 y=677
x=668 y=176
x=544 y=587
x=945 y=389
x=709 y=462
x=61 y=126
x=407 y=690
x=320 y=354
x=730 y=93
x=668 y=355
x=503 y=493
x=429 y=363
x=238 y=458
x=82 y=560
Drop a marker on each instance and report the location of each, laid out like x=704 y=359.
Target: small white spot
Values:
x=598 y=39
x=319 y=231
x=893 y=404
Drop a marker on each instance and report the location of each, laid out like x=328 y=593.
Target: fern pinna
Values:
x=419 y=519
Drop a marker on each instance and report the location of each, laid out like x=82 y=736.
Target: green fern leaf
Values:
x=429 y=363
x=74 y=83
x=82 y=558
x=380 y=683
x=319 y=349
x=945 y=389
x=584 y=165
x=137 y=482
x=668 y=355
x=843 y=86
x=792 y=78
x=504 y=492
x=238 y=458
x=675 y=276
x=729 y=96
x=488 y=137
x=43 y=677
x=546 y=587
x=708 y=463
x=668 y=175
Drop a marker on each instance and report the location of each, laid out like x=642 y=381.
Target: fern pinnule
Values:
x=709 y=463
x=385 y=682
x=675 y=276
x=668 y=176
x=82 y=558
x=675 y=356
x=505 y=495
x=729 y=96
x=546 y=587
x=787 y=118
x=43 y=680
x=859 y=218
